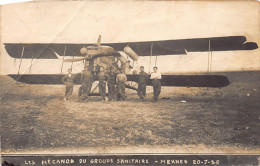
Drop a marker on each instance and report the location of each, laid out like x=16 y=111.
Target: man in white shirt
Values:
x=156 y=80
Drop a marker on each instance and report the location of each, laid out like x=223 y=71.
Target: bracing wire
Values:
x=21 y=60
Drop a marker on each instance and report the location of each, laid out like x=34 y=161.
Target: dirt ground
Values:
x=34 y=118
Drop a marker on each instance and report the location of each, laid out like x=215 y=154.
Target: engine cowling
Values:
x=83 y=50
x=128 y=50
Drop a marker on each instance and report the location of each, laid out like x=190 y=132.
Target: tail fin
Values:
x=99 y=40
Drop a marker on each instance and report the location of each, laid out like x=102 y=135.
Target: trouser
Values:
x=86 y=88
x=80 y=92
x=102 y=89
x=121 y=91
x=156 y=89
x=141 y=91
x=111 y=91
x=69 y=90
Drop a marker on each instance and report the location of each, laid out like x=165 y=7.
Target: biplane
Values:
x=117 y=54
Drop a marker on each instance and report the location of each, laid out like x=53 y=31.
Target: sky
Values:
x=129 y=21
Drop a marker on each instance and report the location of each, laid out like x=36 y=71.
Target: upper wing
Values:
x=175 y=47
x=42 y=51
x=161 y=47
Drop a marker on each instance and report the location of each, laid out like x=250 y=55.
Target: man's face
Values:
x=142 y=69
x=155 y=70
x=69 y=71
x=101 y=69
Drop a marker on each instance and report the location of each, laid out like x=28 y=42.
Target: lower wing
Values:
x=167 y=80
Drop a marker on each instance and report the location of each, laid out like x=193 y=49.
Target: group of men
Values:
x=115 y=81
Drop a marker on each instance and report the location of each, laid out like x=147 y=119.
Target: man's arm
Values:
x=96 y=76
x=159 y=76
x=117 y=79
x=146 y=77
x=64 y=79
x=73 y=77
x=81 y=77
x=156 y=76
x=152 y=76
x=125 y=78
x=107 y=77
x=91 y=77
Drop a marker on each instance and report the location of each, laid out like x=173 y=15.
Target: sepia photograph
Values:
x=130 y=82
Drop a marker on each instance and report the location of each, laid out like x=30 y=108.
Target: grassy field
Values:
x=34 y=119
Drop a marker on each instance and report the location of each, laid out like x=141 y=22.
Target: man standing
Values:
x=102 y=83
x=142 y=81
x=68 y=81
x=111 y=83
x=120 y=80
x=156 y=80
x=86 y=81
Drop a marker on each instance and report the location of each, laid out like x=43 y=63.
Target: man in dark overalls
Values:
x=86 y=82
x=142 y=82
x=68 y=81
x=111 y=83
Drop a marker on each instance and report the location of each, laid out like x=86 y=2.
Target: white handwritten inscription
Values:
x=57 y=161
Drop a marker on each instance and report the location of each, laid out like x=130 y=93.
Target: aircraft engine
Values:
x=107 y=62
x=83 y=50
x=128 y=50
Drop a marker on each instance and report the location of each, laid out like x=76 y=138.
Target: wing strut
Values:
x=31 y=65
x=151 y=54
x=63 y=59
x=209 y=57
x=155 y=60
x=21 y=61
x=72 y=62
x=209 y=60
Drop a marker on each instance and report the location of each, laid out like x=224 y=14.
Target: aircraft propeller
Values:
x=108 y=51
x=75 y=59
